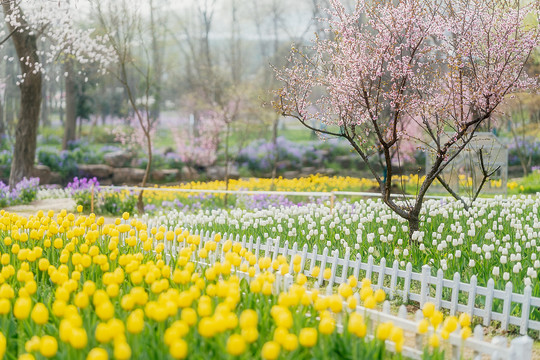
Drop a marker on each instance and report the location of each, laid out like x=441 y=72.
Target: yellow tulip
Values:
x=236 y=345
x=22 y=308
x=428 y=309
x=48 y=346
x=270 y=350
x=40 y=314
x=434 y=341
x=97 y=354
x=308 y=337
x=423 y=326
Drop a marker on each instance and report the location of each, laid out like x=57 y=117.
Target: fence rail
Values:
x=398 y=283
x=497 y=349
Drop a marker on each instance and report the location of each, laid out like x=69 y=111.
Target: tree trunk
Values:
x=414 y=225
x=2 y=123
x=61 y=103
x=157 y=64
x=24 y=151
x=227 y=161
x=275 y=149
x=45 y=121
x=70 y=125
x=140 y=202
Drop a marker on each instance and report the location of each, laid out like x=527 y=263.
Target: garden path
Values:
x=47 y=204
x=56 y=205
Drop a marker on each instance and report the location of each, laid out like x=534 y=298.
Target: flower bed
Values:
x=74 y=288
x=496 y=238
x=22 y=193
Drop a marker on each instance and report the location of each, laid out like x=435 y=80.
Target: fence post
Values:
x=304 y=257
x=500 y=342
x=525 y=310
x=407 y=285
x=489 y=301
x=293 y=255
x=313 y=259
x=438 y=289
x=455 y=294
x=322 y=266
x=332 y=199
x=369 y=270
x=257 y=247
x=345 y=267
x=380 y=280
x=507 y=305
x=521 y=348
x=424 y=288
x=472 y=296
x=287 y=282
x=356 y=271
x=334 y=268
x=393 y=281
x=478 y=334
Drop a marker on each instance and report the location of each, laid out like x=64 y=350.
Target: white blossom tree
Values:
x=27 y=23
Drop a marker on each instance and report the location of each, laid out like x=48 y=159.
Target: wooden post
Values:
x=332 y=199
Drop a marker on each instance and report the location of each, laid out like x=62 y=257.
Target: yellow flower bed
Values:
x=73 y=287
x=313 y=183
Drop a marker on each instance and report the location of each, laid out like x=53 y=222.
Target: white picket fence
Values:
x=404 y=284
x=497 y=349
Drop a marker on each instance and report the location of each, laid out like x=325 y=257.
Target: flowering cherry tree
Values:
x=441 y=67
x=28 y=22
x=198 y=146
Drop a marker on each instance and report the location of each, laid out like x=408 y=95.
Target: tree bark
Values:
x=2 y=123
x=414 y=225
x=228 y=127
x=140 y=198
x=157 y=64
x=45 y=121
x=275 y=149
x=24 y=151
x=70 y=125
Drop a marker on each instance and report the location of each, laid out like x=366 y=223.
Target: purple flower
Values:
x=84 y=184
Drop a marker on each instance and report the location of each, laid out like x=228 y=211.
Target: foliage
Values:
x=490 y=247
x=113 y=202
x=81 y=191
x=5 y=163
x=168 y=161
x=259 y=155
x=64 y=162
x=105 y=290
x=22 y=193
x=530 y=147
x=531 y=183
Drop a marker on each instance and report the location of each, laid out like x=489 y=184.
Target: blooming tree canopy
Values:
x=43 y=32
x=198 y=146
x=436 y=67
x=56 y=25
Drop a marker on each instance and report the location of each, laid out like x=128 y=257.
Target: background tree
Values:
x=53 y=21
x=122 y=25
x=444 y=65
x=25 y=41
